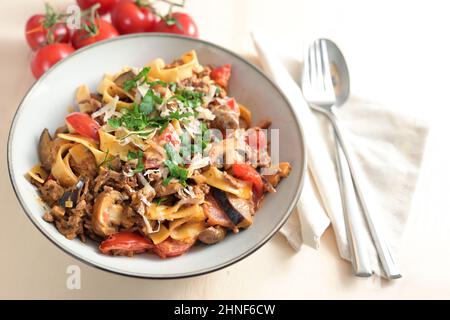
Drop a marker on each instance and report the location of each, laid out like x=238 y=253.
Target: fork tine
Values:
x=312 y=65
x=328 y=83
x=319 y=66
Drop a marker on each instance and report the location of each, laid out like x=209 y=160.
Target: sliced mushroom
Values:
x=90 y=105
x=245 y=209
x=240 y=211
x=87 y=102
x=225 y=118
x=48 y=149
x=45 y=155
x=107 y=213
x=124 y=77
x=212 y=235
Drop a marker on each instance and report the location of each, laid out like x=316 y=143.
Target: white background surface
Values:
x=398 y=53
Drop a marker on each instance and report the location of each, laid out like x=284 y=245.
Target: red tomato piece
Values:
x=38 y=35
x=128 y=242
x=169 y=134
x=221 y=75
x=178 y=23
x=172 y=248
x=233 y=105
x=83 y=124
x=247 y=173
x=47 y=56
x=130 y=16
x=103 y=30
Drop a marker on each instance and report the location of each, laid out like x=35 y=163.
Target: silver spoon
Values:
x=330 y=65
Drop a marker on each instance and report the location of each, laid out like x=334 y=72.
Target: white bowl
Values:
x=45 y=106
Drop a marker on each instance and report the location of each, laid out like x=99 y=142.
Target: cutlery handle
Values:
x=382 y=247
x=358 y=246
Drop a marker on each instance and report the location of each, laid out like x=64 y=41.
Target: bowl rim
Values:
x=92 y=263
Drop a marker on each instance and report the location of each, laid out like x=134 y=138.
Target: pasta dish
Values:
x=155 y=160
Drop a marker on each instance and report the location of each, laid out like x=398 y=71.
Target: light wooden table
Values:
x=397 y=53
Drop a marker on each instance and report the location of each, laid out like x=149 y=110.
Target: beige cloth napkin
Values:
x=386 y=148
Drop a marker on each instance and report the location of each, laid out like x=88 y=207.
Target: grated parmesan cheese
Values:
x=108 y=110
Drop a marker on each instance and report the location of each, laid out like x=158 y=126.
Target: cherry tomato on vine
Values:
x=105 y=5
x=42 y=29
x=179 y=23
x=133 y=16
x=47 y=56
x=98 y=31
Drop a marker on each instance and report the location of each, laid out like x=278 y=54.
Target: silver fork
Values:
x=319 y=92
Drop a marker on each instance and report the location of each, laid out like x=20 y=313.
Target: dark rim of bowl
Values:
x=177 y=276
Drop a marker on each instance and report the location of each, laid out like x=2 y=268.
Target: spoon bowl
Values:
x=339 y=73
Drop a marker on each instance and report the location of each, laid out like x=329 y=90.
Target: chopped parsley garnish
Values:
x=203 y=127
x=143 y=134
x=142 y=119
x=177 y=115
x=189 y=98
x=140 y=164
x=185 y=149
x=196 y=148
x=189 y=94
x=133 y=119
x=106 y=160
x=114 y=123
x=148 y=103
x=166 y=181
x=173 y=154
x=163 y=122
x=175 y=172
x=157 y=83
x=132 y=155
x=132 y=83
x=161 y=200
x=140 y=158
x=172 y=85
